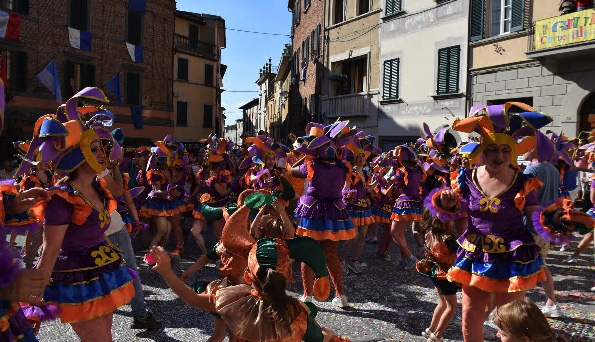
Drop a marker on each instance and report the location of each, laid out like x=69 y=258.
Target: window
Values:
x=355 y=72
x=192 y=32
x=181 y=113
x=133 y=88
x=182 y=69
x=207 y=116
x=19 y=6
x=78 y=76
x=392 y=7
x=448 y=70
x=79 y=15
x=339 y=11
x=363 y=7
x=16 y=69
x=313 y=107
x=390 y=81
x=209 y=74
x=297 y=12
x=497 y=16
x=304 y=108
x=307 y=49
x=307 y=4
x=135 y=28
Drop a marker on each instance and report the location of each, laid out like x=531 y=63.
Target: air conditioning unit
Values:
x=177 y=93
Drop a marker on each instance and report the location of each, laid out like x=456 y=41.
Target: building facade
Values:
x=537 y=57
x=198 y=73
x=351 y=56
x=423 y=67
x=266 y=90
x=250 y=118
x=278 y=124
x=111 y=25
x=307 y=70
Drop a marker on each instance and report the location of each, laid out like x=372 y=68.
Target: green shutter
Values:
x=517 y=20
x=477 y=20
x=448 y=70
x=390 y=81
x=392 y=7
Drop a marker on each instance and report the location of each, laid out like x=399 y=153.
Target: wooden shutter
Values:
x=208 y=74
x=448 y=70
x=307 y=48
x=192 y=32
x=390 y=82
x=517 y=20
x=207 y=120
x=181 y=113
x=22 y=7
x=20 y=68
x=182 y=69
x=477 y=25
x=392 y=7
x=298 y=11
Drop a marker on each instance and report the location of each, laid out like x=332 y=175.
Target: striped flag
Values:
x=10 y=26
x=79 y=39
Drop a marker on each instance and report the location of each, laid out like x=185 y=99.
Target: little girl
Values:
x=441 y=246
x=521 y=321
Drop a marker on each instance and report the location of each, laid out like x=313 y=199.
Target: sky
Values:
x=246 y=53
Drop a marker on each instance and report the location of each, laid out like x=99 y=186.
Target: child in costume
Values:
x=522 y=320
x=321 y=211
x=88 y=278
x=441 y=247
x=260 y=310
x=498 y=259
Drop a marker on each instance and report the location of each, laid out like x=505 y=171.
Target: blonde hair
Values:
x=522 y=318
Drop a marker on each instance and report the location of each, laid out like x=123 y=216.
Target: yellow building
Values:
x=197 y=78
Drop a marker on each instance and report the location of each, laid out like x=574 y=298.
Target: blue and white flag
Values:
x=114 y=87
x=139 y=6
x=79 y=39
x=49 y=78
x=136 y=52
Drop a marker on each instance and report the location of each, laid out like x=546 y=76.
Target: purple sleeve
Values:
x=304 y=169
x=593 y=184
x=531 y=198
x=58 y=211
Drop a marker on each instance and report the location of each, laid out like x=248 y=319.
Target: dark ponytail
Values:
x=281 y=307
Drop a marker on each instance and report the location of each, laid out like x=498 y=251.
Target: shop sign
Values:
x=565 y=30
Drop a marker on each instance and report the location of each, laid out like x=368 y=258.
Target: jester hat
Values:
x=275 y=253
x=562 y=147
x=65 y=138
x=514 y=124
x=442 y=140
x=257 y=152
x=327 y=144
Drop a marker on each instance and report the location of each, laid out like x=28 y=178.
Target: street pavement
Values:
x=386 y=303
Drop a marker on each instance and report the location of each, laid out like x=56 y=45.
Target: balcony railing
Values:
x=563 y=31
x=347 y=105
x=197 y=47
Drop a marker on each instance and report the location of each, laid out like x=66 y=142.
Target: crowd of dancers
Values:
x=482 y=224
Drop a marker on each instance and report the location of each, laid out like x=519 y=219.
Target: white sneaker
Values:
x=340 y=301
x=355 y=266
x=593 y=289
x=306 y=299
x=564 y=248
x=552 y=311
x=426 y=333
x=570 y=260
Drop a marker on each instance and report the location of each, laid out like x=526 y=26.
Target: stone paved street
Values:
x=386 y=304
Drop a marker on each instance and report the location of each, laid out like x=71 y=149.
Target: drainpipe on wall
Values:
x=326 y=53
x=469 y=94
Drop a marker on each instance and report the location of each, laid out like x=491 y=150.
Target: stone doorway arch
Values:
x=587 y=113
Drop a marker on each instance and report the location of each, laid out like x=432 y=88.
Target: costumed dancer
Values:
x=88 y=278
x=441 y=247
x=356 y=190
x=382 y=207
x=496 y=262
x=322 y=214
x=40 y=176
x=211 y=195
x=409 y=205
x=260 y=310
x=177 y=192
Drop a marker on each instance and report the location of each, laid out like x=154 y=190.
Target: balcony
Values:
x=564 y=36
x=348 y=105
x=195 y=47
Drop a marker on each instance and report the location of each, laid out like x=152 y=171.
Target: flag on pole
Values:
x=49 y=78
x=136 y=52
x=137 y=116
x=138 y=6
x=114 y=87
x=10 y=26
x=79 y=39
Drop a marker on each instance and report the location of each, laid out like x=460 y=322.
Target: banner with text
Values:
x=565 y=29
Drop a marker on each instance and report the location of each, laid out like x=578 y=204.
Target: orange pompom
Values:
x=322 y=289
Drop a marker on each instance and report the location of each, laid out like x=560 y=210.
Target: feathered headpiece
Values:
x=514 y=124
x=65 y=138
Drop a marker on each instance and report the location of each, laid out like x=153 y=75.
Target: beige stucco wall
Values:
x=543 y=9
x=206 y=32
